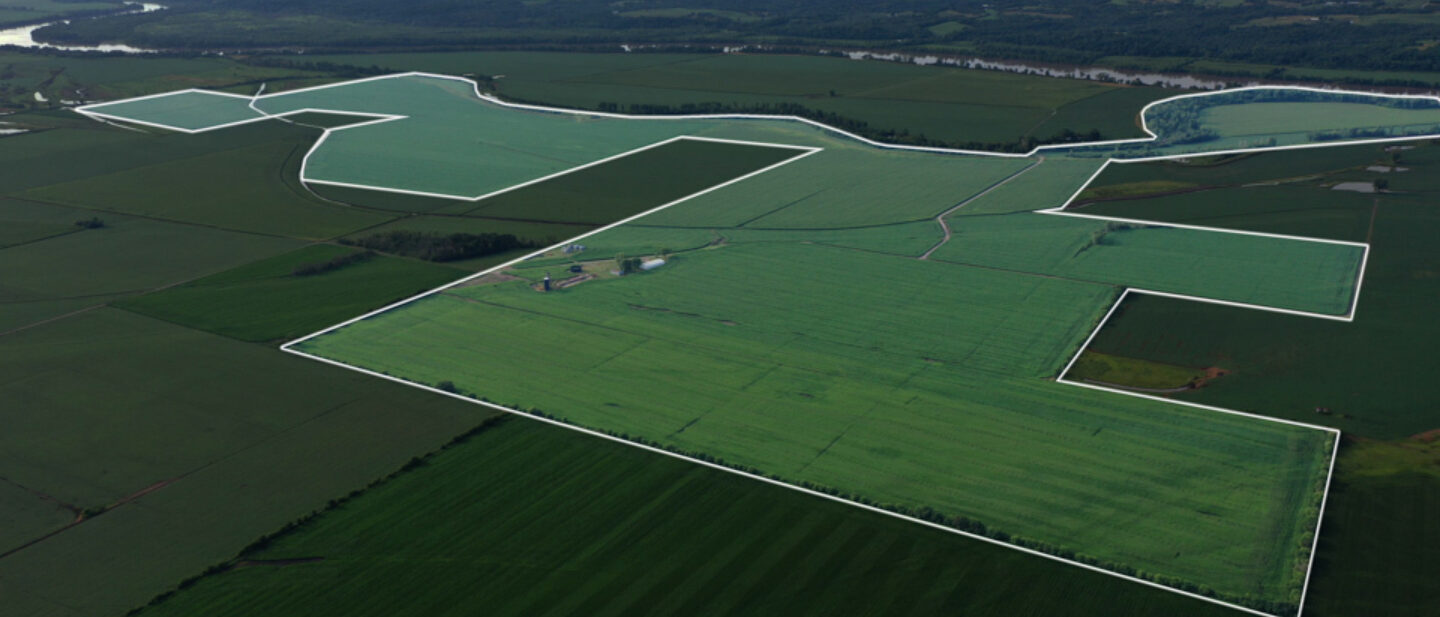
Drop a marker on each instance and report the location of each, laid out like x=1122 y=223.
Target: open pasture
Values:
x=1315 y=277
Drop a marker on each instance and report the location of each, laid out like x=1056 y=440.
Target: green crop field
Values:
x=1307 y=276
x=187 y=110
x=127 y=255
x=1231 y=170
x=805 y=339
x=1272 y=118
x=628 y=185
x=1375 y=555
x=720 y=330
x=192 y=441
x=266 y=301
x=1288 y=366
x=1371 y=375
x=1048 y=184
x=1268 y=118
x=947 y=104
x=91 y=78
x=526 y=519
x=249 y=187
x=799 y=239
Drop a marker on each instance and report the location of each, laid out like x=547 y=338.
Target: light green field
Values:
x=1293 y=274
x=909 y=383
x=188 y=110
x=1046 y=185
x=845 y=186
x=452 y=145
x=794 y=332
x=1273 y=118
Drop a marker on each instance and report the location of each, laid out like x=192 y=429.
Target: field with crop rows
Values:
x=1371 y=375
x=267 y=301
x=1284 y=366
x=526 y=519
x=864 y=397
x=808 y=342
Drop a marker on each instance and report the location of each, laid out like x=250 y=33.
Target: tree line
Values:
x=432 y=246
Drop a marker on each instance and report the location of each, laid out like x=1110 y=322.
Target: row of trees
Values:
x=845 y=123
x=1340 y=35
x=330 y=265
x=432 y=246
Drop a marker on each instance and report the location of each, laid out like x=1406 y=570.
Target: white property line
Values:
x=90 y=110
x=379 y=118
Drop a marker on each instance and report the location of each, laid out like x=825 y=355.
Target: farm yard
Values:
x=814 y=323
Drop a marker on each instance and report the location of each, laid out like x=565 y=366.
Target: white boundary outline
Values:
x=88 y=110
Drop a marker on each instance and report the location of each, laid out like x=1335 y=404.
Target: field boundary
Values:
x=90 y=110
x=1057 y=210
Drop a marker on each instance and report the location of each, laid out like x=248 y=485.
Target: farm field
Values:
x=190 y=444
x=267 y=301
x=184 y=110
x=945 y=104
x=1374 y=556
x=628 y=532
x=781 y=296
x=761 y=394
x=1286 y=367
x=1148 y=179
x=236 y=183
x=22 y=74
x=1261 y=117
x=1270 y=118
x=1371 y=374
x=103 y=417
x=1094 y=259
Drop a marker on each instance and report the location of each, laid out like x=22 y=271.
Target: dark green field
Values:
x=1373 y=376
x=894 y=101
x=138 y=451
x=631 y=184
x=266 y=301
x=1377 y=553
x=528 y=519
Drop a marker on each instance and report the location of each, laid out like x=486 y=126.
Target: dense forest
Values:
x=1365 y=34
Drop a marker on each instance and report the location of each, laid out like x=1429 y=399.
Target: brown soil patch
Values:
x=489 y=279
x=1427 y=436
x=1211 y=373
x=574 y=280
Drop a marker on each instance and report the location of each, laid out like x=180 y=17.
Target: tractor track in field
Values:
x=944 y=226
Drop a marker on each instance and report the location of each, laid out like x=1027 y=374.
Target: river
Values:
x=1073 y=72
x=24 y=36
